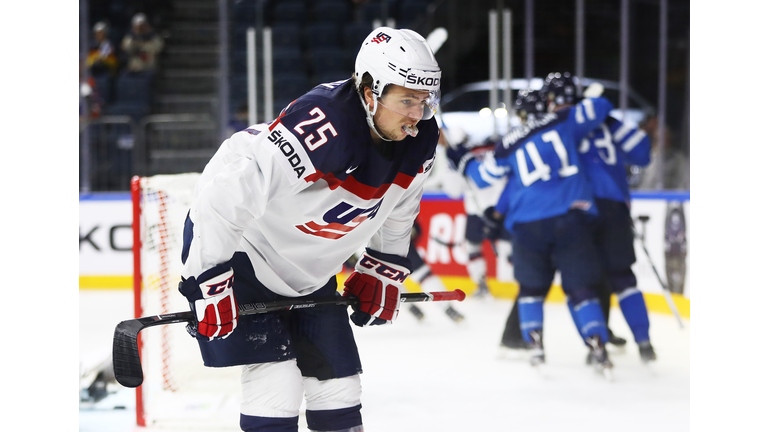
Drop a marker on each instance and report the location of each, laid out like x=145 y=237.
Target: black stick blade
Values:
x=125 y=346
x=125 y=353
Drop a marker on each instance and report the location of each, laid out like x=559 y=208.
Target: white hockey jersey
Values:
x=301 y=195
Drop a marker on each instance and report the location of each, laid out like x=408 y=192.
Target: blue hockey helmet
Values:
x=559 y=88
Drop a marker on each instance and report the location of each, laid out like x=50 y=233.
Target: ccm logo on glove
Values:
x=211 y=296
x=377 y=284
x=219 y=288
x=383 y=269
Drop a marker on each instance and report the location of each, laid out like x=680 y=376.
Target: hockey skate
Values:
x=515 y=344
x=416 y=312
x=616 y=340
x=482 y=289
x=647 y=354
x=598 y=357
x=537 y=349
x=513 y=348
x=454 y=314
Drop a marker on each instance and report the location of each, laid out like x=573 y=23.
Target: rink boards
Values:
x=106 y=241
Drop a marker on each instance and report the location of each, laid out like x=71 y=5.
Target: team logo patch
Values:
x=381 y=37
x=339 y=221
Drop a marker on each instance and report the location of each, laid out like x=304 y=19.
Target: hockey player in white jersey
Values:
x=281 y=206
x=476 y=200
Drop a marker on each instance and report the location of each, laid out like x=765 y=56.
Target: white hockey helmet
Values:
x=401 y=57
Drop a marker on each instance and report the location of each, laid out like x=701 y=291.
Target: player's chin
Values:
x=397 y=135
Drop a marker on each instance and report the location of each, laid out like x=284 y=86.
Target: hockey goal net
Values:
x=178 y=392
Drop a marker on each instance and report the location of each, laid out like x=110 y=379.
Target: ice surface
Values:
x=436 y=375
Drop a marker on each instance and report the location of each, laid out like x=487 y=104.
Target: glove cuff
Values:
x=194 y=288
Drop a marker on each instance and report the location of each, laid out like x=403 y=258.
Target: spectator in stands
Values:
x=142 y=45
x=90 y=101
x=676 y=162
x=102 y=58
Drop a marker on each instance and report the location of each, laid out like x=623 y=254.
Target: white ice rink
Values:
x=439 y=376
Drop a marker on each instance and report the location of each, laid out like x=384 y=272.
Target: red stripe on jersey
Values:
x=331 y=226
x=277 y=120
x=359 y=189
x=328 y=235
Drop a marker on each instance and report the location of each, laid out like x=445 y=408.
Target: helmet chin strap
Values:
x=369 y=116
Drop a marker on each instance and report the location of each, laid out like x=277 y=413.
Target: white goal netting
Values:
x=178 y=391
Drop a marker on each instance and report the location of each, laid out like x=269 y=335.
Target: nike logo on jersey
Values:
x=349 y=170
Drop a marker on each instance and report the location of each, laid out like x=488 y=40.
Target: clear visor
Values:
x=415 y=104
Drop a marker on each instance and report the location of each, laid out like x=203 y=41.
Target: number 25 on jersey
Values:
x=542 y=171
x=318 y=116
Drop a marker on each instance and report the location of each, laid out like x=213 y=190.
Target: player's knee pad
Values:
x=476 y=266
x=333 y=405
x=272 y=390
x=474 y=250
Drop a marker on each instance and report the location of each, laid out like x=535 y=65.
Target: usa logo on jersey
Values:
x=340 y=221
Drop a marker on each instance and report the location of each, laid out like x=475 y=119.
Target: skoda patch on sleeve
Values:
x=289 y=153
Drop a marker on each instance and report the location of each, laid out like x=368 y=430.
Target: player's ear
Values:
x=368 y=98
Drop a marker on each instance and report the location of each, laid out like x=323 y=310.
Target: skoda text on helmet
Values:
x=401 y=57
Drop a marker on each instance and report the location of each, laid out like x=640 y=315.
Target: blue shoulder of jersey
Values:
x=587 y=115
x=327 y=122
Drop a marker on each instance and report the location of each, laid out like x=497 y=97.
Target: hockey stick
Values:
x=447 y=244
x=125 y=348
x=665 y=290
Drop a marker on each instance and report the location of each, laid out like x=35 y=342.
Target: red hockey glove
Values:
x=377 y=284
x=213 y=302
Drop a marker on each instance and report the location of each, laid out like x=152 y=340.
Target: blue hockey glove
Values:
x=211 y=297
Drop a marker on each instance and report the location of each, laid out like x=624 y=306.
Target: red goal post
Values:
x=178 y=391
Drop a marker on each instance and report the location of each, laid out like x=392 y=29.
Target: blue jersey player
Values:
x=605 y=152
x=547 y=206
